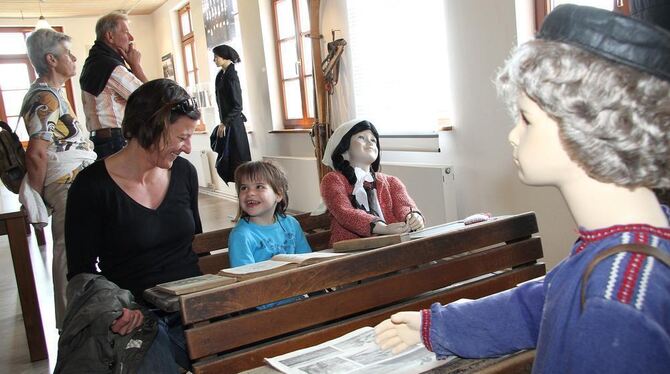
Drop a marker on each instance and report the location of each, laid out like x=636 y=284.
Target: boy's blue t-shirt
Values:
x=250 y=243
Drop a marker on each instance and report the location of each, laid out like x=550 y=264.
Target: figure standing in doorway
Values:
x=229 y=138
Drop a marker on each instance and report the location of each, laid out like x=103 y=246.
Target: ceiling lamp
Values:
x=41 y=22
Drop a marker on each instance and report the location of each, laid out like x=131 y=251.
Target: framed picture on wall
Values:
x=168 y=66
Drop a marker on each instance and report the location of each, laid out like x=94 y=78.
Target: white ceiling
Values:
x=74 y=8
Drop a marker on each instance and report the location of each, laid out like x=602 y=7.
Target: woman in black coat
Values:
x=229 y=138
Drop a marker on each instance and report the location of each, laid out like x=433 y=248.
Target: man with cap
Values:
x=106 y=82
x=592 y=110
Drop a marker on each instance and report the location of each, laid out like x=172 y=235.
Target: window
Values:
x=188 y=45
x=294 y=55
x=17 y=74
x=543 y=7
x=399 y=64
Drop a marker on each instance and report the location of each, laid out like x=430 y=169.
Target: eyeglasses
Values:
x=187 y=106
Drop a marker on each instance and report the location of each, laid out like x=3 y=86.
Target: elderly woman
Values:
x=592 y=109
x=134 y=214
x=58 y=148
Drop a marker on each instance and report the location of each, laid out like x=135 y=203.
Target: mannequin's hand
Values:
x=399 y=332
x=415 y=221
x=221 y=130
x=129 y=321
x=394 y=228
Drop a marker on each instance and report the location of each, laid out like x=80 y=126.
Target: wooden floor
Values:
x=215 y=213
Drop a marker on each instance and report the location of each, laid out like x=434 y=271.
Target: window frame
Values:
x=306 y=121
x=186 y=40
x=543 y=7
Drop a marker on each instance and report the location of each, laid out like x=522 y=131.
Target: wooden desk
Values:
x=226 y=333
x=516 y=363
x=13 y=224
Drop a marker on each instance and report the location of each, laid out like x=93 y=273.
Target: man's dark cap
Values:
x=614 y=36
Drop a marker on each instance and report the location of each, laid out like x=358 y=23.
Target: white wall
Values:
x=480 y=35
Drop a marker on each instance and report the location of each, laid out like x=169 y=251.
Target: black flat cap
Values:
x=616 y=37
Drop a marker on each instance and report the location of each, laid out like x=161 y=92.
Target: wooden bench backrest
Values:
x=212 y=247
x=225 y=333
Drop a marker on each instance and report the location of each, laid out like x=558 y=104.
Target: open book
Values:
x=372 y=242
x=355 y=352
x=278 y=263
x=194 y=284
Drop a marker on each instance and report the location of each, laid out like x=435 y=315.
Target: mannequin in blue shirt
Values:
x=592 y=115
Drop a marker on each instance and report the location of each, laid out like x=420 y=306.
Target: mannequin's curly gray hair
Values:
x=614 y=121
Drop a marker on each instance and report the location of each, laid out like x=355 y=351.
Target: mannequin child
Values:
x=361 y=200
x=592 y=110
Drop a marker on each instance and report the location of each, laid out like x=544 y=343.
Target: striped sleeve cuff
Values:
x=425 y=329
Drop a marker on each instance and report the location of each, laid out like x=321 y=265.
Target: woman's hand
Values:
x=393 y=228
x=415 y=221
x=399 y=332
x=127 y=322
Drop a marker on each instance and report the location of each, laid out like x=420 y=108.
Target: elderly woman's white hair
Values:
x=43 y=42
x=614 y=120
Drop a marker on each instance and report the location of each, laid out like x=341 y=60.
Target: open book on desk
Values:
x=278 y=263
x=355 y=352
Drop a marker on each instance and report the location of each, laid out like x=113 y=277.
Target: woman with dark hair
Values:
x=134 y=214
x=229 y=138
x=361 y=200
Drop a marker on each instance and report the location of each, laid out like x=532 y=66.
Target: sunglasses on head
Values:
x=186 y=106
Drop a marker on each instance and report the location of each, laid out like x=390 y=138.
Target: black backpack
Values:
x=12 y=158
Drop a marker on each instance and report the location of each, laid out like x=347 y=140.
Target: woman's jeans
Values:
x=168 y=348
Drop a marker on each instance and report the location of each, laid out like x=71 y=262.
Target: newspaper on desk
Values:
x=355 y=352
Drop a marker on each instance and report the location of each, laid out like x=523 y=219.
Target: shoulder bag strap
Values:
x=636 y=248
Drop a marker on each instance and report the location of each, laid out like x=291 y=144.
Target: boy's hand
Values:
x=399 y=332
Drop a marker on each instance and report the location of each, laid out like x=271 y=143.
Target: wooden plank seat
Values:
x=226 y=334
x=212 y=247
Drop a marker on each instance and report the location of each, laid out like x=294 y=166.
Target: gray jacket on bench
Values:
x=87 y=345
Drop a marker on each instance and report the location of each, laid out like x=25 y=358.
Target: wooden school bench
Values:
x=225 y=333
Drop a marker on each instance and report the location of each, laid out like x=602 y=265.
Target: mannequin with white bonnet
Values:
x=591 y=101
x=361 y=200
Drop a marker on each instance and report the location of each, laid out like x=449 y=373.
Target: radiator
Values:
x=204 y=175
x=303 y=183
x=208 y=179
x=431 y=186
